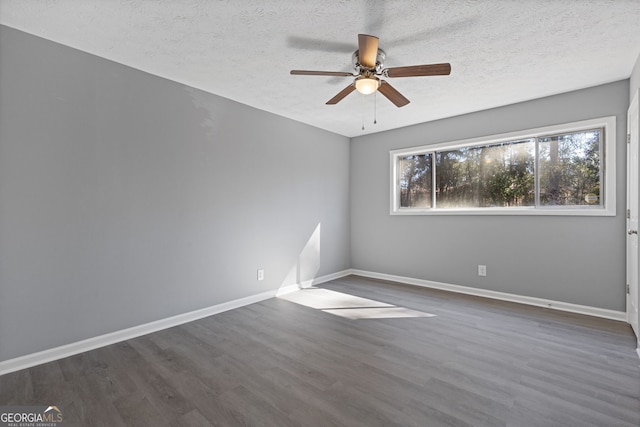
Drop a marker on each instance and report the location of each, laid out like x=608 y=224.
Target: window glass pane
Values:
x=415 y=181
x=569 y=169
x=497 y=175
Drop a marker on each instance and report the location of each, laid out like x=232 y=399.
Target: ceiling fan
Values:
x=368 y=61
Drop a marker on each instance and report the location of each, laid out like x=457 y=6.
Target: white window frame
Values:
x=608 y=187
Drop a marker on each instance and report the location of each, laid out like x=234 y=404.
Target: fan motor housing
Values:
x=380 y=57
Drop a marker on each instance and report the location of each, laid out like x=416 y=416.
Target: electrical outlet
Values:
x=261 y=274
x=482 y=270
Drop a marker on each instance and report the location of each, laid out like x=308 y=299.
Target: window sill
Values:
x=596 y=211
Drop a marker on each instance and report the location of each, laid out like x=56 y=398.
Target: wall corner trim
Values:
x=56 y=353
x=539 y=302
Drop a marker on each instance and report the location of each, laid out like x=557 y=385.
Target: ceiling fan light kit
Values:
x=367 y=85
x=368 y=62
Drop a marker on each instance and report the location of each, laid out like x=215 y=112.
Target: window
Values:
x=558 y=170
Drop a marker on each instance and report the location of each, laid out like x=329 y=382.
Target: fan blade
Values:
x=340 y=96
x=321 y=73
x=392 y=94
x=367 y=50
x=419 y=70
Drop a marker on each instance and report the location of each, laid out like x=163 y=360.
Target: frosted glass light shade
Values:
x=366 y=85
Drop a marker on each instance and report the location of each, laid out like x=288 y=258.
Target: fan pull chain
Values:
x=375 y=105
x=362 y=97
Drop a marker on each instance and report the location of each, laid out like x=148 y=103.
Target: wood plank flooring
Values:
x=276 y=363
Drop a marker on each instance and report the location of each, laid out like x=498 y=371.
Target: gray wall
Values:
x=578 y=260
x=126 y=198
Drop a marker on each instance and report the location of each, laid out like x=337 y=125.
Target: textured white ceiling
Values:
x=501 y=51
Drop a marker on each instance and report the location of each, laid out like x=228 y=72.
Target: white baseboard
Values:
x=539 y=302
x=327 y=278
x=71 y=349
x=315 y=281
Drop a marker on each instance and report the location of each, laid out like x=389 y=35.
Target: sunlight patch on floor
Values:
x=378 y=313
x=349 y=306
x=326 y=299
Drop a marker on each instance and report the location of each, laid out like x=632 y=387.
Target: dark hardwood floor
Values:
x=478 y=362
